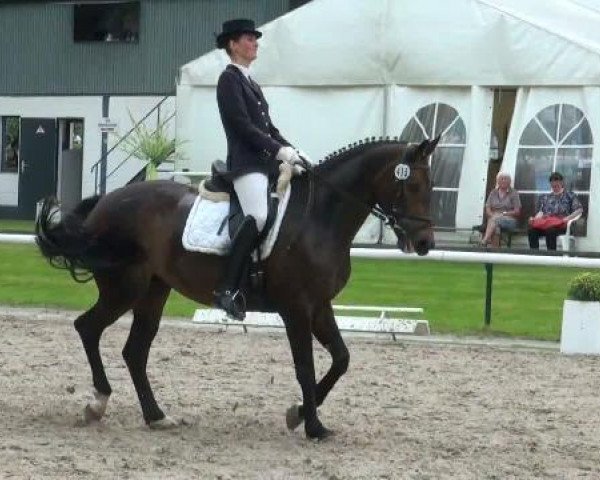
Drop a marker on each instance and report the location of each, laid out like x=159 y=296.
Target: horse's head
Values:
x=405 y=196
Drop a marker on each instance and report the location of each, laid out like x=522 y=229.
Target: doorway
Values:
x=37 y=163
x=504 y=106
x=70 y=161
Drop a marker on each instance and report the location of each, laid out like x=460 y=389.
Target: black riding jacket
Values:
x=252 y=139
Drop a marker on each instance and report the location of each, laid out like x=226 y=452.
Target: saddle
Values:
x=219 y=187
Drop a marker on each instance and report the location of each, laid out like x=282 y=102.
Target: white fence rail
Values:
x=436 y=255
x=479 y=257
x=16 y=238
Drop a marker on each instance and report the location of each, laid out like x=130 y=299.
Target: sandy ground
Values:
x=404 y=410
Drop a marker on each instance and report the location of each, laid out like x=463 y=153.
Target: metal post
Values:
x=104 y=147
x=489 y=270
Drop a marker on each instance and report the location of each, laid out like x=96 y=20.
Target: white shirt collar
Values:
x=245 y=70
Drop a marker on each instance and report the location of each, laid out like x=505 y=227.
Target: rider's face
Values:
x=244 y=49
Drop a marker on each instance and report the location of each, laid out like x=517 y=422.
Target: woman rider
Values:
x=254 y=147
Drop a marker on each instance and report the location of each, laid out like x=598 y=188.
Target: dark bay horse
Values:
x=129 y=242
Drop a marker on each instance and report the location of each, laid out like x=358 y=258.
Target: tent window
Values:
x=446 y=162
x=558 y=138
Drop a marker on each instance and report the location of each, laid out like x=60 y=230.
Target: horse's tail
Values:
x=67 y=244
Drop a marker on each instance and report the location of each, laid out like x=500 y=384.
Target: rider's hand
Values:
x=299 y=169
x=288 y=155
x=304 y=157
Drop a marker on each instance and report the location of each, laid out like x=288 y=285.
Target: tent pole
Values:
x=386 y=105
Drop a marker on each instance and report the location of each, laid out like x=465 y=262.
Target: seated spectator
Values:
x=502 y=210
x=558 y=203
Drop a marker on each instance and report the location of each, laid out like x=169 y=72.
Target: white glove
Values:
x=304 y=155
x=298 y=169
x=288 y=155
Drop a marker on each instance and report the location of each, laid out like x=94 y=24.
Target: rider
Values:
x=254 y=146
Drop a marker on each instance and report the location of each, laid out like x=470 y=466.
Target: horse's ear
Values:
x=426 y=147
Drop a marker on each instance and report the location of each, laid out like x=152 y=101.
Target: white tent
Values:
x=336 y=71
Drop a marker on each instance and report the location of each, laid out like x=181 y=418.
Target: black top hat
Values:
x=238 y=25
x=555 y=176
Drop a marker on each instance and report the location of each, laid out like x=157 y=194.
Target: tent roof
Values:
x=462 y=42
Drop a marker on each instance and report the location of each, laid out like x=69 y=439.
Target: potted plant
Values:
x=580 y=331
x=153 y=146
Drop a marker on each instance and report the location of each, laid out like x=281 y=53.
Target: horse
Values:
x=129 y=242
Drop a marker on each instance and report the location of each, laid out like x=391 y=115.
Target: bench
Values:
x=505 y=235
x=387 y=320
x=565 y=242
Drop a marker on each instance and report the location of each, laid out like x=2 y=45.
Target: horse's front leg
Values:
x=297 y=325
x=327 y=333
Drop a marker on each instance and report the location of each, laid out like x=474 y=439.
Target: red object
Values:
x=548 y=222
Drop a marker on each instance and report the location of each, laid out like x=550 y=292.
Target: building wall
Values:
x=89 y=109
x=43 y=59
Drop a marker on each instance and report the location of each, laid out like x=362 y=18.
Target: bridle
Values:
x=397 y=215
x=392 y=220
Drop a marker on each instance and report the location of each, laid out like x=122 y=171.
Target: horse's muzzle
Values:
x=420 y=242
x=423 y=245
x=423 y=242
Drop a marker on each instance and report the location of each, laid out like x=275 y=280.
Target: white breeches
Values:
x=252 y=190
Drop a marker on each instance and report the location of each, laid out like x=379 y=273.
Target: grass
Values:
x=26 y=279
x=17 y=226
x=527 y=301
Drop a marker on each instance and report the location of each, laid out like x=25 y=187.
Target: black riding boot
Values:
x=226 y=296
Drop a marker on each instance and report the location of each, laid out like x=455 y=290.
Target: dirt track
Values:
x=402 y=411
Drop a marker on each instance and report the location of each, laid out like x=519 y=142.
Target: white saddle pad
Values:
x=201 y=232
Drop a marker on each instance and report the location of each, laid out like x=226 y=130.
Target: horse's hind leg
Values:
x=90 y=326
x=327 y=333
x=146 y=318
x=116 y=295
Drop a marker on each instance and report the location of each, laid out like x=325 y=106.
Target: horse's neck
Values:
x=344 y=213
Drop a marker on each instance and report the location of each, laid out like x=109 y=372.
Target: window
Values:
x=558 y=138
x=446 y=162
x=10 y=127
x=106 y=22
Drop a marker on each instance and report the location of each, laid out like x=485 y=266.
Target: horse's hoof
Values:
x=96 y=408
x=319 y=433
x=90 y=415
x=323 y=435
x=292 y=417
x=165 y=423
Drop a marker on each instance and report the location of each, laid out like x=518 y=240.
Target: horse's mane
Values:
x=334 y=159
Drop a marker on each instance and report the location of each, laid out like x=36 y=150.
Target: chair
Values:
x=567 y=240
x=478 y=230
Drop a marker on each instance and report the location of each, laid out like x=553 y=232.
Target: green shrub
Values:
x=154 y=146
x=585 y=287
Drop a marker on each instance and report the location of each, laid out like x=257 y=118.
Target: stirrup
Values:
x=232 y=303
